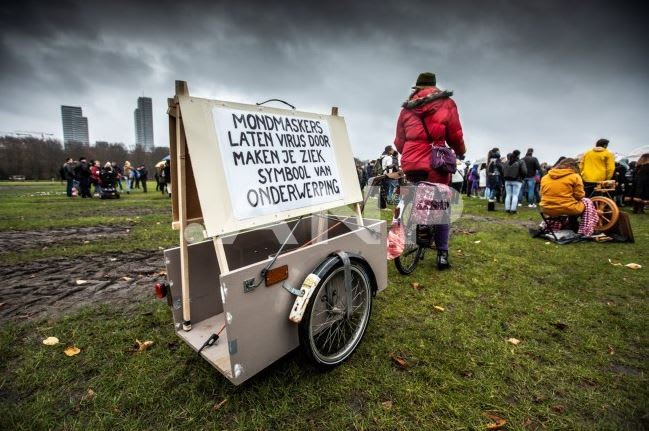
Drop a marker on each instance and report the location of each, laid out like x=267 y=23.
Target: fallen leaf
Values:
x=497 y=423
x=163 y=273
x=633 y=266
x=611 y=351
x=86 y=242
x=548 y=243
x=2 y=304
x=476 y=242
x=401 y=360
x=220 y=404
x=514 y=341
x=614 y=264
x=113 y=259
x=89 y=395
x=143 y=345
x=127 y=278
x=416 y=286
x=386 y=404
x=80 y=282
x=558 y=408
x=71 y=351
x=51 y=341
x=438 y=308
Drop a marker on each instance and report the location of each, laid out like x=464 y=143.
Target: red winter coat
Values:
x=443 y=123
x=94 y=174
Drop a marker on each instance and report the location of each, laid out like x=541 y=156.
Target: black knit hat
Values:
x=426 y=79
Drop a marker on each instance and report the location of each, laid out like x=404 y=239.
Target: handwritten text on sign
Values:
x=276 y=163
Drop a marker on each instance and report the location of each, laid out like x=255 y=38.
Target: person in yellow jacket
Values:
x=597 y=164
x=562 y=190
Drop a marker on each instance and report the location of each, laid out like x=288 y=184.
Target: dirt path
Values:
x=52 y=286
x=19 y=240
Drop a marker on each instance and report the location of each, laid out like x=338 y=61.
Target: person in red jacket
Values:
x=434 y=107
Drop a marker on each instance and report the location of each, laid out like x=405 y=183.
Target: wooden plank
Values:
x=221 y=257
x=181 y=150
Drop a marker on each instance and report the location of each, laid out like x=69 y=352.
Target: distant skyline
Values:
x=74 y=125
x=552 y=75
x=143 y=123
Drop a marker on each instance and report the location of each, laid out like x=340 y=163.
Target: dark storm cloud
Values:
x=545 y=74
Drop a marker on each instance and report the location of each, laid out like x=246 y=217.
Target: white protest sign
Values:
x=274 y=163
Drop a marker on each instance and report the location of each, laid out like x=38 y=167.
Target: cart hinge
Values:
x=249 y=285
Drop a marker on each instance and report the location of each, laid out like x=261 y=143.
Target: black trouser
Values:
x=143 y=180
x=84 y=185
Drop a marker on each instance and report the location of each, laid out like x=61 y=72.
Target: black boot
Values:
x=442 y=260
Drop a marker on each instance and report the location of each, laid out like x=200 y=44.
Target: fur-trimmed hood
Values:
x=420 y=101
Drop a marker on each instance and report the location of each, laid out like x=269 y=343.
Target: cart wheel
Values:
x=607 y=211
x=327 y=335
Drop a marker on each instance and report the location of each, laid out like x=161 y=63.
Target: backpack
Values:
x=513 y=170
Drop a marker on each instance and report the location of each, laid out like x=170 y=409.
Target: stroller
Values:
x=108 y=179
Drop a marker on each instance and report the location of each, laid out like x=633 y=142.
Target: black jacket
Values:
x=532 y=165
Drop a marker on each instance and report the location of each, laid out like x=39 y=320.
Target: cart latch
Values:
x=292 y=290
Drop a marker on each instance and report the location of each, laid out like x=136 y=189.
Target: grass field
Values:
x=581 y=362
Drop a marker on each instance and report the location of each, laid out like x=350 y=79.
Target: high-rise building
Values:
x=144 y=123
x=75 y=125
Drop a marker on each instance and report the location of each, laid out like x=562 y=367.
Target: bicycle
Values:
x=417 y=237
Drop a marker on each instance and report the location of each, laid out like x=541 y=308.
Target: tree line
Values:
x=39 y=159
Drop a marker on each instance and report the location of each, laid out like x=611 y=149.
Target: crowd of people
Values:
x=89 y=178
x=516 y=181
x=428 y=126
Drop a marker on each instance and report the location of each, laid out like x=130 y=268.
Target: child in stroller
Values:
x=108 y=178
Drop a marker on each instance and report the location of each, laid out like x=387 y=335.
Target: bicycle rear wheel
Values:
x=412 y=253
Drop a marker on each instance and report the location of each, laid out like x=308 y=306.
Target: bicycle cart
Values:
x=262 y=267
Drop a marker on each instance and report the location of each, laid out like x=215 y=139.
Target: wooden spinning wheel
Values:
x=607 y=211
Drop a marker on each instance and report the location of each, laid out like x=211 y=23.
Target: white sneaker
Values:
x=531 y=205
x=520 y=205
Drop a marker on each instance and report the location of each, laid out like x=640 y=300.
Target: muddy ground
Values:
x=20 y=240
x=50 y=287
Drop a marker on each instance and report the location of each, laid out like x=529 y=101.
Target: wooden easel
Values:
x=185 y=203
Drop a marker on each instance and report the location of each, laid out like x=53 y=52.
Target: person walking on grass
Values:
x=128 y=174
x=597 y=164
x=482 y=182
x=532 y=166
x=82 y=172
x=143 y=175
x=494 y=175
x=514 y=172
x=429 y=118
x=640 y=192
x=67 y=171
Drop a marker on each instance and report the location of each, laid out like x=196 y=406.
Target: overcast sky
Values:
x=550 y=75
